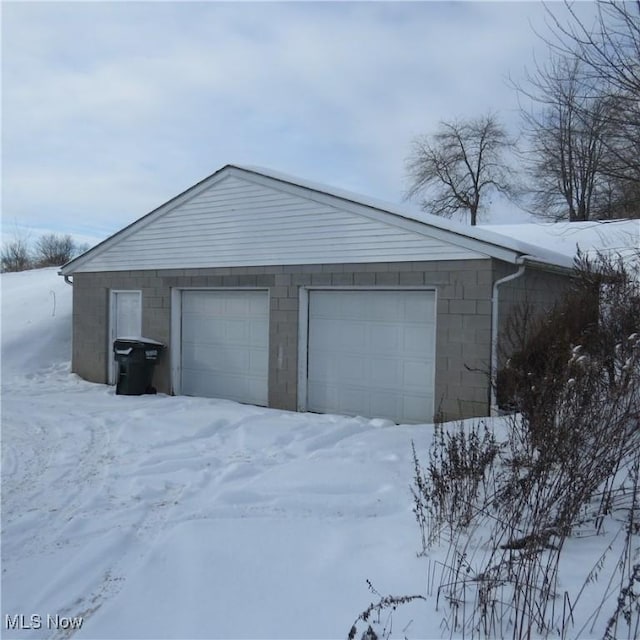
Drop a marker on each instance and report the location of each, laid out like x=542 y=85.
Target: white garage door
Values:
x=371 y=353
x=225 y=345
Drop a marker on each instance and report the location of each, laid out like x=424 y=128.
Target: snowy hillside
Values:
x=35 y=320
x=175 y=517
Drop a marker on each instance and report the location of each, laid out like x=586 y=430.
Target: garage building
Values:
x=279 y=292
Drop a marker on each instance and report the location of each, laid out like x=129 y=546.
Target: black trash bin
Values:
x=136 y=358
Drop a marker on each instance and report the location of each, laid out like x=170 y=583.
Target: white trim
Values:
x=175 y=340
x=435 y=352
x=111 y=363
x=303 y=329
x=232 y=288
x=303 y=346
x=364 y=287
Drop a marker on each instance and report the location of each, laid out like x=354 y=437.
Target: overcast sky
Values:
x=112 y=108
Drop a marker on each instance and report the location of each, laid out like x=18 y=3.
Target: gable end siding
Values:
x=237 y=222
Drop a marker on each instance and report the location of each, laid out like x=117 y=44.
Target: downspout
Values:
x=494 y=329
x=68 y=281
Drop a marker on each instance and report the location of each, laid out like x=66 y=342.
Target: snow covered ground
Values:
x=177 y=517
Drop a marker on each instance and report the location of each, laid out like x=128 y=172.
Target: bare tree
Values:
x=15 y=254
x=623 y=198
x=454 y=168
x=609 y=52
x=53 y=250
x=610 y=49
x=80 y=249
x=567 y=130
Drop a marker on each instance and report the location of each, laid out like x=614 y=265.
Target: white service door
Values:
x=225 y=345
x=371 y=353
x=126 y=322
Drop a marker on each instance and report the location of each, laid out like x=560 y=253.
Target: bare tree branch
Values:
x=453 y=168
x=15 y=254
x=584 y=130
x=54 y=250
x=608 y=52
x=566 y=131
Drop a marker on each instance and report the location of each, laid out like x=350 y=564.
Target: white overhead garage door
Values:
x=371 y=353
x=225 y=345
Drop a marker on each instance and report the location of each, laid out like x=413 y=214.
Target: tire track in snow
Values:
x=157 y=470
x=82 y=465
x=142 y=536
x=30 y=455
x=80 y=471
x=140 y=515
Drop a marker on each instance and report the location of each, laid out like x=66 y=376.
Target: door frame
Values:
x=303 y=329
x=112 y=368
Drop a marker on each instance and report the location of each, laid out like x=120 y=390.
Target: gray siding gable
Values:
x=244 y=217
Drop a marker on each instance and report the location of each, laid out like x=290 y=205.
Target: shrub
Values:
x=446 y=493
x=571 y=456
x=15 y=255
x=571 y=459
x=53 y=250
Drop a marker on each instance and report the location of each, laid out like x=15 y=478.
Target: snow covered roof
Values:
x=547 y=244
x=552 y=242
x=611 y=237
x=536 y=252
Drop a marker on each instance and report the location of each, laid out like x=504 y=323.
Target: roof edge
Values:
x=101 y=246
x=484 y=236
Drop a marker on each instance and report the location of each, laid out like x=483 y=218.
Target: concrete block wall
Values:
x=463 y=338
x=90 y=327
x=537 y=291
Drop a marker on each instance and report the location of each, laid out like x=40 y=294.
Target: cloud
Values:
x=111 y=109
